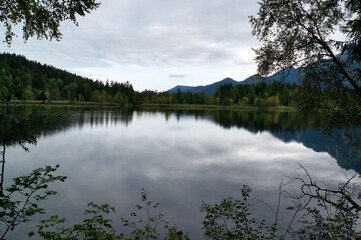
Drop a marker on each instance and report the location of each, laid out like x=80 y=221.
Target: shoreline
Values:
x=154 y=106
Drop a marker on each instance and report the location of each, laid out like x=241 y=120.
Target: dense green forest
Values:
x=260 y=94
x=31 y=80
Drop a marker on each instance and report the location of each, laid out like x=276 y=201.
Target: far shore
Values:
x=214 y=107
x=152 y=105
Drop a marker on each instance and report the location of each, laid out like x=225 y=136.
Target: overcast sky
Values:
x=154 y=44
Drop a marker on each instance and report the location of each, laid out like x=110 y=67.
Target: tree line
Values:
x=30 y=80
x=260 y=94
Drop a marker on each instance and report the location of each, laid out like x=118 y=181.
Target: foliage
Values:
x=353 y=29
x=41 y=18
x=97 y=226
x=272 y=94
x=333 y=104
x=147 y=228
x=302 y=34
x=19 y=202
x=34 y=81
x=145 y=225
x=231 y=219
x=21 y=125
x=328 y=212
x=320 y=223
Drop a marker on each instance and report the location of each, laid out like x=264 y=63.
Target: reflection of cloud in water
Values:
x=175 y=128
x=179 y=162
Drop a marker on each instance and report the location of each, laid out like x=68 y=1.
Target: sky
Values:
x=153 y=44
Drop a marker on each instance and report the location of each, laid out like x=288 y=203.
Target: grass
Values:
x=213 y=107
x=155 y=106
x=66 y=103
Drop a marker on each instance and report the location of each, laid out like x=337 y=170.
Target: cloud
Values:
x=177 y=76
x=164 y=34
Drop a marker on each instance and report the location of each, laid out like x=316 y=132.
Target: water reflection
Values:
x=181 y=158
x=101 y=117
x=286 y=126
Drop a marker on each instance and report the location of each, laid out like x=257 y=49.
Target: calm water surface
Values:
x=181 y=159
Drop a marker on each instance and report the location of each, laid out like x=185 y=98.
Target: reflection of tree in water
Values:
x=22 y=125
x=91 y=116
x=286 y=126
x=254 y=121
x=259 y=121
x=96 y=117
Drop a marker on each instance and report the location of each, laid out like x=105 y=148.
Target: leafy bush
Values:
x=231 y=219
x=95 y=227
x=143 y=225
x=20 y=201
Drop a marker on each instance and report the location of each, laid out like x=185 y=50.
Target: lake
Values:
x=181 y=158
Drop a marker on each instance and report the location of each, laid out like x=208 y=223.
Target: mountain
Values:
x=288 y=75
x=208 y=89
x=251 y=80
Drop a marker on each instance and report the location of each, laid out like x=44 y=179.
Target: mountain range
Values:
x=288 y=75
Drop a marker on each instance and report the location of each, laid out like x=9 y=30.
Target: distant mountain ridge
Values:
x=208 y=89
x=288 y=75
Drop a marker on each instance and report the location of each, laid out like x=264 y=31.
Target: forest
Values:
x=31 y=80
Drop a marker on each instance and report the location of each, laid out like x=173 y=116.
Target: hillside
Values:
x=35 y=81
x=13 y=64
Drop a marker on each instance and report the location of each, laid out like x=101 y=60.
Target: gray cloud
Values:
x=177 y=76
x=162 y=33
